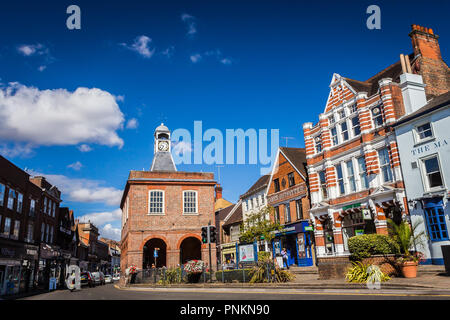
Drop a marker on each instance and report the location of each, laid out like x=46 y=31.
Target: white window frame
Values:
x=196 y=202
x=323 y=185
x=375 y=125
x=361 y=173
x=340 y=179
x=319 y=143
x=417 y=139
x=334 y=138
x=342 y=132
x=388 y=164
x=163 y=203
x=353 y=127
x=349 y=176
x=424 y=173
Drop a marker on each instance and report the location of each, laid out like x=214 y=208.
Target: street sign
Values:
x=155 y=253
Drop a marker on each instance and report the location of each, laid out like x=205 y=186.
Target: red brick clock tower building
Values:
x=165 y=208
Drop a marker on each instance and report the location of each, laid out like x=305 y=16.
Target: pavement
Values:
x=431 y=284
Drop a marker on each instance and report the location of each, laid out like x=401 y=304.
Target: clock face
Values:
x=163 y=146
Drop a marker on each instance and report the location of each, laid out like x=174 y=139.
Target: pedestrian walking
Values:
x=284 y=255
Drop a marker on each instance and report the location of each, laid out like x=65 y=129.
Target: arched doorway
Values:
x=190 y=249
x=148 y=250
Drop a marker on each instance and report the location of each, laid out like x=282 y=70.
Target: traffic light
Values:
x=205 y=234
x=212 y=234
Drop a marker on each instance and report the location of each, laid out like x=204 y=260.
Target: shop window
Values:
x=190 y=202
x=435 y=218
x=156 y=202
x=2 y=193
x=432 y=172
x=354 y=224
x=340 y=179
x=291 y=179
x=276 y=184
x=351 y=176
x=385 y=166
x=355 y=126
x=299 y=209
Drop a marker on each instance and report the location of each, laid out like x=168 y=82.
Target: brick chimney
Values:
x=428 y=61
x=218 y=190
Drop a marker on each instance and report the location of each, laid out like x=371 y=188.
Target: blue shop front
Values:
x=298 y=239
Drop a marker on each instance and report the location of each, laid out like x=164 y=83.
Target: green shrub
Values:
x=262 y=255
x=230 y=275
x=367 y=245
x=361 y=272
x=266 y=266
x=172 y=275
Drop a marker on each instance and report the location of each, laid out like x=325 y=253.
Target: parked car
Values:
x=96 y=278
x=116 y=277
x=108 y=278
x=86 y=279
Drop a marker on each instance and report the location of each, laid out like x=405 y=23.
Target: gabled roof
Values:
x=235 y=215
x=297 y=157
x=257 y=186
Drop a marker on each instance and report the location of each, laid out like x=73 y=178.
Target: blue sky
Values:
x=230 y=64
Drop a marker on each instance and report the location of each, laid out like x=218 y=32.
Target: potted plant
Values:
x=194 y=269
x=407 y=237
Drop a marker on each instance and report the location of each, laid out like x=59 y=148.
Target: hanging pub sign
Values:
x=366 y=214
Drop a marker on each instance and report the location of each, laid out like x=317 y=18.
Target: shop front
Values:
x=17 y=265
x=297 y=238
x=228 y=252
x=50 y=267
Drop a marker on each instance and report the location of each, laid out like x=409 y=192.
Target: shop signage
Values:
x=429 y=147
x=351 y=206
x=295 y=228
x=287 y=194
x=309 y=228
x=8 y=252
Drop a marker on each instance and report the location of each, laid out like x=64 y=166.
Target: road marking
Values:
x=357 y=293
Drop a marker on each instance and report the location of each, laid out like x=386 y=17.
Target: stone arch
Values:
x=190 y=249
x=188 y=235
x=141 y=247
x=148 y=249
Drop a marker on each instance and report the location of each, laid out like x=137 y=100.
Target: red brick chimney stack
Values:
x=218 y=191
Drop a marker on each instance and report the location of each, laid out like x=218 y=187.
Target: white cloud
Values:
x=15 y=150
x=100 y=218
x=84 y=148
x=59 y=117
x=195 y=58
x=132 y=123
x=182 y=147
x=168 y=53
x=190 y=23
x=109 y=232
x=216 y=54
x=32 y=49
x=141 y=45
x=42 y=68
x=75 y=166
x=83 y=190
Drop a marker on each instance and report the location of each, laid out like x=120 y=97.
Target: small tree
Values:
x=260 y=225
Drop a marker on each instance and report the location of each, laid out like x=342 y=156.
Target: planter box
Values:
x=336 y=267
